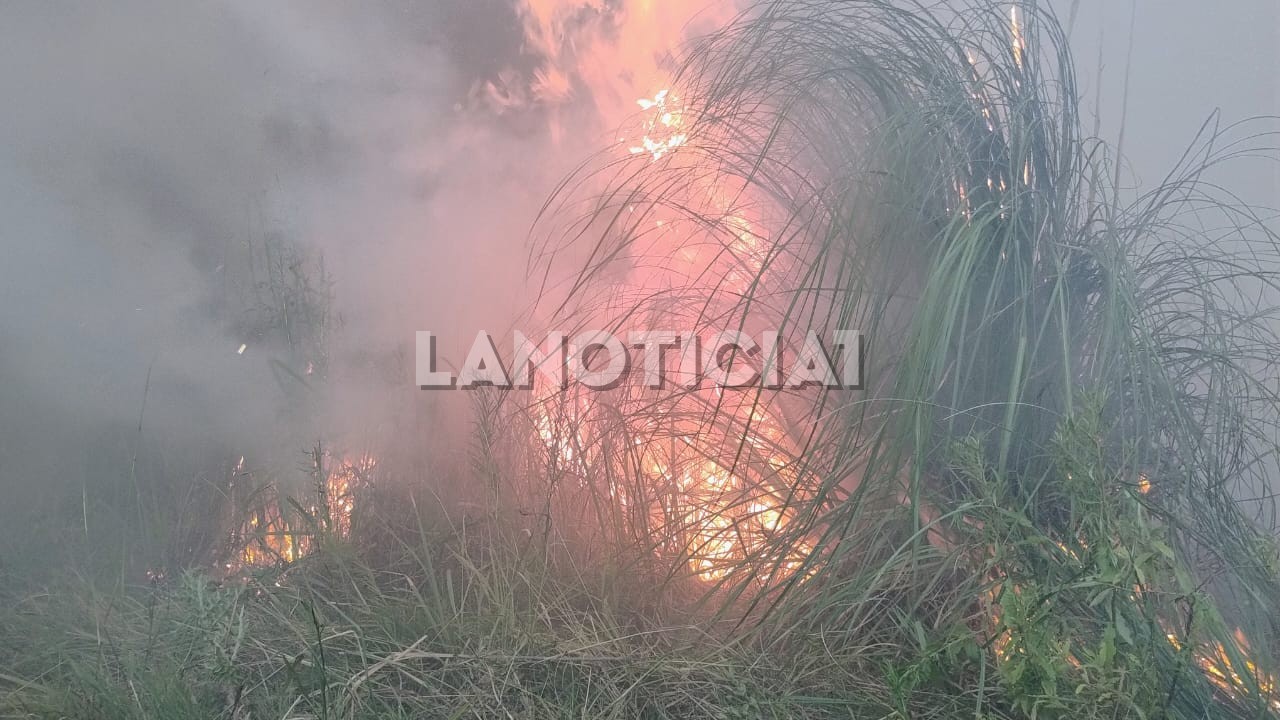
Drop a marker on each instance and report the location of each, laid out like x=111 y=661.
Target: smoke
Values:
x=1156 y=71
x=173 y=176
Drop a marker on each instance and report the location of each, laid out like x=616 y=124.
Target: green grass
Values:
x=450 y=632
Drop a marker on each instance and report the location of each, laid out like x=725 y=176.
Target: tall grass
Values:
x=1071 y=392
x=449 y=622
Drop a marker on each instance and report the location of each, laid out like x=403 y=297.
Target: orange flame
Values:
x=270 y=537
x=712 y=511
x=1215 y=662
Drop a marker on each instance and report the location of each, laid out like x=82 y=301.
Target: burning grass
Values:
x=280 y=530
x=920 y=174
x=1031 y=510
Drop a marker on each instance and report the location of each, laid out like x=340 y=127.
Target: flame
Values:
x=696 y=500
x=271 y=537
x=700 y=500
x=663 y=129
x=713 y=515
x=339 y=491
x=1215 y=662
x=1015 y=30
x=271 y=540
x=723 y=513
x=603 y=51
x=1212 y=658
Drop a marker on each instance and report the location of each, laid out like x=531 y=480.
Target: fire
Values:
x=712 y=514
x=663 y=129
x=609 y=53
x=714 y=474
x=272 y=536
x=339 y=492
x=725 y=515
x=1213 y=658
x=271 y=540
x=1215 y=662
x=1015 y=30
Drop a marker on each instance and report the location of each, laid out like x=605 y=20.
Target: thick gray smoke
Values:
x=167 y=169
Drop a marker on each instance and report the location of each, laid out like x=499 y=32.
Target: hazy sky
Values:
x=1188 y=59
